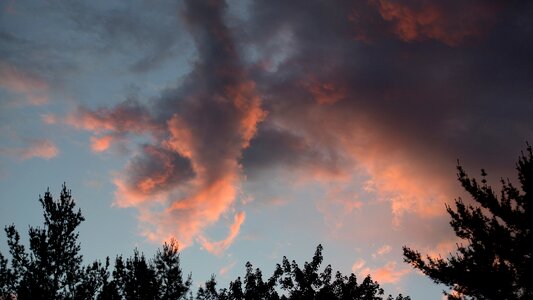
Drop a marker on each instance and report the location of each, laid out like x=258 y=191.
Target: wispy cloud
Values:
x=389 y=273
x=385 y=249
x=34 y=148
x=220 y=246
x=32 y=89
x=188 y=176
x=450 y=23
x=225 y=269
x=372 y=102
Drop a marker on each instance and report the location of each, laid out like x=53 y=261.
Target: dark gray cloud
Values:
x=149 y=33
x=198 y=132
x=59 y=37
x=157 y=169
x=399 y=90
x=469 y=99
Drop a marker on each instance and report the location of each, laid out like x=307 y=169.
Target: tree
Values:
x=135 y=278
x=296 y=283
x=209 y=292
x=52 y=268
x=497 y=261
x=168 y=273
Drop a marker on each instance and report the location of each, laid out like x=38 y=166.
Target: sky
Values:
x=252 y=130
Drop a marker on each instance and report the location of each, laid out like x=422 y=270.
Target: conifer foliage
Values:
x=290 y=281
x=52 y=268
x=496 y=262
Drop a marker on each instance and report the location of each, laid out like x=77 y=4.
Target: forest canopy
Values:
x=52 y=268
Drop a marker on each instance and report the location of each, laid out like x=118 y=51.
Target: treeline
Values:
x=494 y=262
x=52 y=269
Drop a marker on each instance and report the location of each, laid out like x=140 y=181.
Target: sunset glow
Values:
x=250 y=130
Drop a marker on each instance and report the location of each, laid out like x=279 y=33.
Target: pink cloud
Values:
x=34 y=89
x=432 y=20
x=110 y=124
x=38 y=148
x=404 y=184
x=49 y=119
x=99 y=144
x=225 y=269
x=358 y=265
x=371 y=157
x=389 y=273
x=220 y=246
x=385 y=249
x=326 y=92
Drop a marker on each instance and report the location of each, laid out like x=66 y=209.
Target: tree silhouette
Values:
x=138 y=278
x=135 y=278
x=168 y=273
x=52 y=267
x=497 y=262
x=293 y=282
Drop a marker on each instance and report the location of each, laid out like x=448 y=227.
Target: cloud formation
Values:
x=220 y=246
x=448 y=22
x=188 y=176
x=389 y=273
x=377 y=94
x=33 y=148
x=30 y=87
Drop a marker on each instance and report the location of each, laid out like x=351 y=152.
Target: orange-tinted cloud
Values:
x=38 y=148
x=219 y=246
x=129 y=116
x=405 y=184
x=49 y=119
x=99 y=144
x=34 y=89
x=434 y=20
x=326 y=93
x=225 y=269
x=188 y=175
x=109 y=125
x=382 y=250
x=389 y=273
x=365 y=149
x=358 y=265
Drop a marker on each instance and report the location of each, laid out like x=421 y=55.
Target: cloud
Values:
x=128 y=116
x=389 y=273
x=49 y=119
x=358 y=265
x=188 y=175
x=32 y=88
x=128 y=30
x=112 y=125
x=225 y=269
x=450 y=23
x=371 y=101
x=99 y=144
x=406 y=114
x=34 y=148
x=220 y=246
x=382 y=251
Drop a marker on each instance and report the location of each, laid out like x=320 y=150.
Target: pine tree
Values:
x=168 y=273
x=52 y=267
x=496 y=262
x=293 y=282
